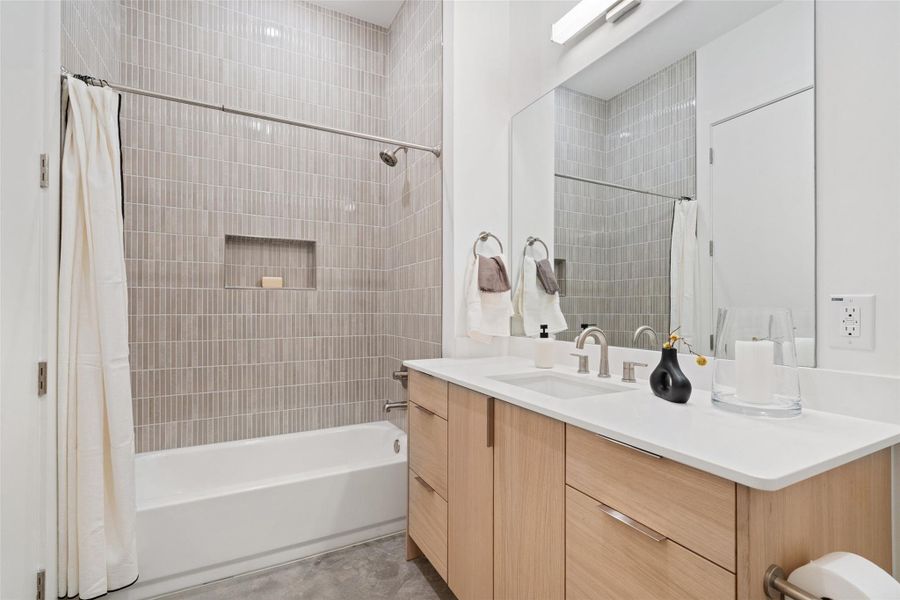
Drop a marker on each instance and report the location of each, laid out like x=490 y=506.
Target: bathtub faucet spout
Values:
x=388 y=406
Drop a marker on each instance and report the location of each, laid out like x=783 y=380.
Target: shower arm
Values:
x=436 y=150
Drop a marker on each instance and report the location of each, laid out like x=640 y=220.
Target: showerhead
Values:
x=389 y=157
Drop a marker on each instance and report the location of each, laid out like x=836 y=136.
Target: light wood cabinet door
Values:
x=606 y=558
x=470 y=481
x=428 y=447
x=428 y=522
x=429 y=392
x=693 y=508
x=529 y=505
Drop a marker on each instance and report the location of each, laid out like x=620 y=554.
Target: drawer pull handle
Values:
x=422 y=481
x=639 y=527
x=490 y=423
x=629 y=446
x=424 y=410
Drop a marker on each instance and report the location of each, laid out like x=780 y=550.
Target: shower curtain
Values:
x=96 y=520
x=684 y=271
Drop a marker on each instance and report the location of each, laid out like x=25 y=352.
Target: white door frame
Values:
x=29 y=246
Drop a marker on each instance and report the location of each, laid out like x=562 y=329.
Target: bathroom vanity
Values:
x=545 y=484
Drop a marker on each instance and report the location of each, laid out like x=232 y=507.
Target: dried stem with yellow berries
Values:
x=675 y=340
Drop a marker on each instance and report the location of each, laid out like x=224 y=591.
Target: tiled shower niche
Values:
x=250 y=258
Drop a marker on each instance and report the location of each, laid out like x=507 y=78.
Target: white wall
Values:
x=858 y=172
x=476 y=143
x=29 y=121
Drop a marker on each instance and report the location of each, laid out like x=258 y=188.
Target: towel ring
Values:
x=530 y=243
x=483 y=237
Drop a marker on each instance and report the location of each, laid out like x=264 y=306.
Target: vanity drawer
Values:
x=608 y=557
x=428 y=522
x=428 y=392
x=693 y=508
x=428 y=447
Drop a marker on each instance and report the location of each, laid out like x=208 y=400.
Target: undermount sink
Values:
x=560 y=386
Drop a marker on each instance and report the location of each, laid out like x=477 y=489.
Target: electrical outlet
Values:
x=854 y=318
x=850 y=324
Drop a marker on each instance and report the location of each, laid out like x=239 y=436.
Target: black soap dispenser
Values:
x=543 y=350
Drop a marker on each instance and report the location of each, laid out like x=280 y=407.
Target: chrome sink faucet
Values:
x=646 y=330
x=600 y=337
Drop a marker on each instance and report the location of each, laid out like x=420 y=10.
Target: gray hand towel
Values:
x=547 y=277
x=492 y=275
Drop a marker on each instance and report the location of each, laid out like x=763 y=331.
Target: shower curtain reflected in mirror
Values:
x=684 y=271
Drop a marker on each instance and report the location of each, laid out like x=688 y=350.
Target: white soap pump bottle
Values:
x=543 y=350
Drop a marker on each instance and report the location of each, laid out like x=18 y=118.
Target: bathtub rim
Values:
x=170 y=500
x=254 y=441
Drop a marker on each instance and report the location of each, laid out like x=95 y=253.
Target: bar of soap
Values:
x=272 y=282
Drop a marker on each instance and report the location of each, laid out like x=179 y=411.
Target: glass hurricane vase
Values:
x=755 y=371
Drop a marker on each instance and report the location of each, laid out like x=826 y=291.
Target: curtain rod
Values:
x=621 y=187
x=436 y=150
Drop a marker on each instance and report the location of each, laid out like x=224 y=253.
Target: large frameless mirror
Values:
x=674 y=177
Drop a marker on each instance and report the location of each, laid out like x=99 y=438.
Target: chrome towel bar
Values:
x=777 y=586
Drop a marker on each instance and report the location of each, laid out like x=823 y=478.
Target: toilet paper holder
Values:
x=777 y=586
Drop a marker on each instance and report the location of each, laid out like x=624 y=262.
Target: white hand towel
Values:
x=534 y=305
x=487 y=313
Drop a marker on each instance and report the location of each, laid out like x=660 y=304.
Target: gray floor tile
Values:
x=375 y=570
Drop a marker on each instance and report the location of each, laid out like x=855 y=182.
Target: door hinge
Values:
x=40 y=585
x=710 y=155
x=45 y=170
x=710 y=247
x=42 y=378
x=712 y=342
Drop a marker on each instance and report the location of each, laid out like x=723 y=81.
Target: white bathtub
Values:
x=214 y=511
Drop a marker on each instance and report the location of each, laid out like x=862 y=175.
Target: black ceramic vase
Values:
x=668 y=381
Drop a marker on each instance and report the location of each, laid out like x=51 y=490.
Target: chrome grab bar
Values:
x=777 y=586
x=389 y=406
x=626 y=520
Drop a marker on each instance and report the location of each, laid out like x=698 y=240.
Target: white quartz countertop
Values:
x=762 y=453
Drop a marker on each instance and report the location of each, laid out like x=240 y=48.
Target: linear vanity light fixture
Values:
x=620 y=10
x=586 y=13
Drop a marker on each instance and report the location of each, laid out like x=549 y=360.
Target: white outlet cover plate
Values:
x=865 y=304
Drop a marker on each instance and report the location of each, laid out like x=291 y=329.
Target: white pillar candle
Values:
x=755 y=367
